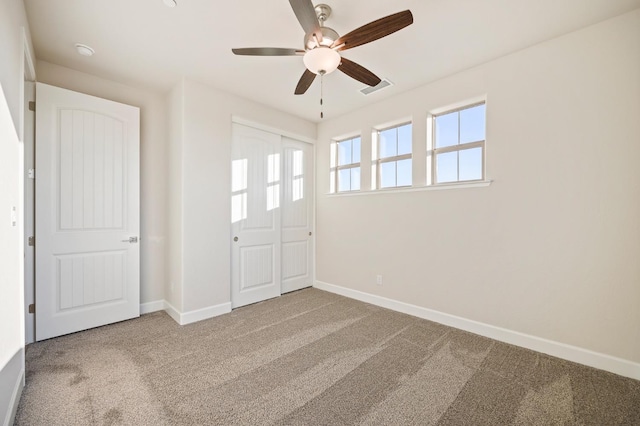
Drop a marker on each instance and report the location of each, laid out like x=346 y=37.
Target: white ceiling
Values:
x=146 y=44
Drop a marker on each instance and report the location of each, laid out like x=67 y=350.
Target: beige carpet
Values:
x=310 y=358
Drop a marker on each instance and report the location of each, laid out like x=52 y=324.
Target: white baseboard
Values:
x=15 y=399
x=147 y=308
x=583 y=356
x=173 y=312
x=11 y=385
x=197 y=315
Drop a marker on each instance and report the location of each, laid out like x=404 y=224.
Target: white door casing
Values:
x=255 y=216
x=29 y=209
x=87 y=212
x=297 y=215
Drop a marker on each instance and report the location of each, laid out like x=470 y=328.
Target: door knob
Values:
x=235 y=239
x=131 y=240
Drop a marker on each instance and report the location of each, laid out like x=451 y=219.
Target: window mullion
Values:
x=347 y=166
x=433 y=150
x=461 y=147
x=395 y=158
x=458 y=153
x=397 y=132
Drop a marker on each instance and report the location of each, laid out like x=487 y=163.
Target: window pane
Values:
x=388 y=174
x=388 y=143
x=355 y=179
x=471 y=164
x=344 y=153
x=404 y=172
x=472 y=124
x=344 y=180
x=447 y=167
x=446 y=130
x=356 y=150
x=404 y=139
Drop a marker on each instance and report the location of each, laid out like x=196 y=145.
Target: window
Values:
x=391 y=155
x=345 y=165
x=457 y=145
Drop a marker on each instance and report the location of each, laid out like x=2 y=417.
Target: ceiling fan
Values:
x=322 y=44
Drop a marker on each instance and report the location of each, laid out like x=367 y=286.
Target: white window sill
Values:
x=437 y=187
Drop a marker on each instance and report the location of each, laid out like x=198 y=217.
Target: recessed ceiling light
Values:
x=84 y=50
x=170 y=3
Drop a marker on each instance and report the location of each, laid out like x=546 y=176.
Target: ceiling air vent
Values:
x=369 y=90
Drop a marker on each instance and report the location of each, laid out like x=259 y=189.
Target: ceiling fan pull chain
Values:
x=321 y=94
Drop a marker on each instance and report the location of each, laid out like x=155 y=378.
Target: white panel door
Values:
x=87 y=212
x=297 y=215
x=255 y=215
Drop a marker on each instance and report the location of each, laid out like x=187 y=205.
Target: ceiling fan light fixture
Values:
x=321 y=60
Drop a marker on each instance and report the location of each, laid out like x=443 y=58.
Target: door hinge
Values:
x=31 y=241
x=32 y=308
x=31 y=174
x=32 y=106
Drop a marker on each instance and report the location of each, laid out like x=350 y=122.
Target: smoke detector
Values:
x=84 y=50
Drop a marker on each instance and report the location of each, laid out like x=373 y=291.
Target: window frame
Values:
x=376 y=161
x=432 y=151
x=337 y=168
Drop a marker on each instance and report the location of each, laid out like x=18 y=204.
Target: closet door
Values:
x=297 y=215
x=255 y=215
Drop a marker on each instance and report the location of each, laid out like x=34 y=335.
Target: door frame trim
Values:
x=28 y=75
x=249 y=123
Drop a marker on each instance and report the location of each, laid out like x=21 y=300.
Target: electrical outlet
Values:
x=379 y=279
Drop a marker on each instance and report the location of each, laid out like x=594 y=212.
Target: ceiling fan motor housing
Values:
x=323 y=11
x=329 y=35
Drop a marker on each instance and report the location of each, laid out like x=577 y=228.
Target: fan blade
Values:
x=305 y=81
x=358 y=72
x=306 y=14
x=374 y=30
x=267 y=51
